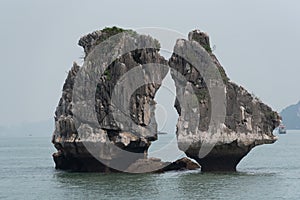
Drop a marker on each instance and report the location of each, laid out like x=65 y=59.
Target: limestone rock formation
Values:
x=101 y=125
x=247 y=122
x=109 y=140
x=157 y=166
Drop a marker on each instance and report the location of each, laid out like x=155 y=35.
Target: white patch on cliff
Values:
x=242 y=112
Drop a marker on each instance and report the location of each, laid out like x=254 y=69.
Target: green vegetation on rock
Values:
x=107 y=74
x=207 y=48
x=107 y=32
x=223 y=75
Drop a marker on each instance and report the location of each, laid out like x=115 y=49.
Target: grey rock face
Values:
x=248 y=121
x=101 y=125
x=157 y=166
x=80 y=140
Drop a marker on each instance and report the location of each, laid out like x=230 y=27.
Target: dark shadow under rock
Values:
x=155 y=165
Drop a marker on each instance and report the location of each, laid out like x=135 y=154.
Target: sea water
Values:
x=267 y=172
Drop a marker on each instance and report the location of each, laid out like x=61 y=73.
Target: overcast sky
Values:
x=256 y=41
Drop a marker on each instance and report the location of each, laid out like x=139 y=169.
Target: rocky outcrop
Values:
x=181 y=164
x=105 y=118
x=247 y=121
x=155 y=165
x=82 y=142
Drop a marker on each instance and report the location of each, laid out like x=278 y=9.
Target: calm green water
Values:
x=268 y=172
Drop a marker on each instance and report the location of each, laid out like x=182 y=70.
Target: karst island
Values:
x=105 y=119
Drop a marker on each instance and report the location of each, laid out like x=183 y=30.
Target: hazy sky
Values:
x=257 y=43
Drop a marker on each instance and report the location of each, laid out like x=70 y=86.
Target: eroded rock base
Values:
x=86 y=164
x=222 y=158
x=219 y=164
x=150 y=165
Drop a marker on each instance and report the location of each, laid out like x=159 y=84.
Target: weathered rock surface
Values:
x=109 y=140
x=248 y=121
x=155 y=165
x=182 y=164
x=90 y=127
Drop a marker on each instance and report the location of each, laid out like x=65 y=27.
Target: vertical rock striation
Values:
x=108 y=136
x=248 y=121
x=105 y=118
